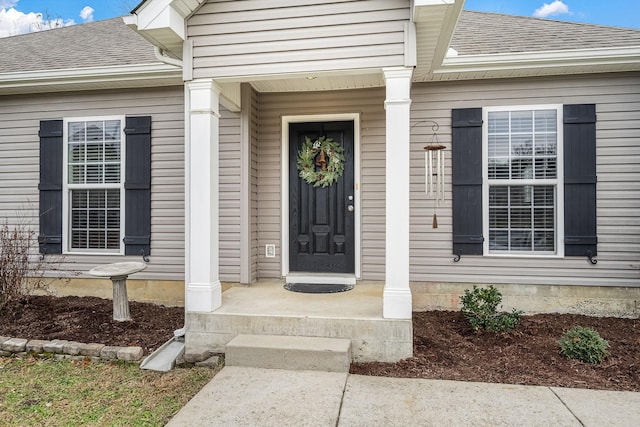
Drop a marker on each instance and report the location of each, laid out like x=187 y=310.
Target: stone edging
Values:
x=62 y=349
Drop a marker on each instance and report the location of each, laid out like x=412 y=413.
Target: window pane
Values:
x=112 y=152
x=498 y=240
x=94 y=160
x=498 y=169
x=546 y=168
x=544 y=196
x=520 y=196
x=526 y=141
x=76 y=131
x=79 y=218
x=76 y=174
x=522 y=169
x=499 y=122
x=95 y=152
x=545 y=144
x=544 y=241
x=520 y=240
x=112 y=173
x=522 y=145
x=97 y=239
x=76 y=153
x=521 y=121
x=546 y=121
x=543 y=218
x=79 y=239
x=95 y=131
x=113 y=239
x=95 y=219
x=112 y=130
x=522 y=218
x=498 y=146
x=499 y=218
x=113 y=199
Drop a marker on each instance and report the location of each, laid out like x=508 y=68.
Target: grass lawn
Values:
x=47 y=392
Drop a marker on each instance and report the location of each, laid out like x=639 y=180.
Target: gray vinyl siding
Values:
x=261 y=37
x=617 y=99
x=19 y=165
x=229 y=196
x=370 y=104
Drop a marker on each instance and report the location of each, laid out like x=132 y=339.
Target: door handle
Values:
x=350 y=208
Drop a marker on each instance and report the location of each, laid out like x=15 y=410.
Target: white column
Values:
x=397 y=294
x=203 y=293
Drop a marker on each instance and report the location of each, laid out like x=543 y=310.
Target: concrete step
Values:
x=289 y=352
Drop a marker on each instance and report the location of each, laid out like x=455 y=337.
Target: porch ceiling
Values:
x=320 y=82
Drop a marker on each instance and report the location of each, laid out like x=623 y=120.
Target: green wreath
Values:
x=327 y=155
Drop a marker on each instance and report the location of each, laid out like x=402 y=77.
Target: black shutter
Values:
x=50 y=187
x=466 y=151
x=137 y=185
x=580 y=180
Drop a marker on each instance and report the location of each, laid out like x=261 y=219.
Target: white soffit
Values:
x=162 y=22
x=435 y=22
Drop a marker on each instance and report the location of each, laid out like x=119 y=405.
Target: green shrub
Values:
x=584 y=344
x=480 y=307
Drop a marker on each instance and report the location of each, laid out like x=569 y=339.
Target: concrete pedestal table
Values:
x=118 y=274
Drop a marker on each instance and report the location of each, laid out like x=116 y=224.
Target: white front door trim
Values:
x=284 y=178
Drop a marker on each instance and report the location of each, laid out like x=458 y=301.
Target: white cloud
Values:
x=551 y=9
x=87 y=13
x=13 y=22
x=6 y=4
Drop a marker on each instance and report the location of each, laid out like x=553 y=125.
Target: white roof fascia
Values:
x=75 y=76
x=447 y=31
x=435 y=22
x=537 y=60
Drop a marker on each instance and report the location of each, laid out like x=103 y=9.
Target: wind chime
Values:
x=434 y=171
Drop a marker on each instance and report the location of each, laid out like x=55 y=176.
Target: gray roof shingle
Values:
x=481 y=33
x=95 y=44
x=111 y=42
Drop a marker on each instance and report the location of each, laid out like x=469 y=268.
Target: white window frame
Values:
x=66 y=188
x=558 y=182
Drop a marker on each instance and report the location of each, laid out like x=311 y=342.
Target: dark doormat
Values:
x=317 y=288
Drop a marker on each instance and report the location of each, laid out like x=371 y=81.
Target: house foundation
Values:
x=532 y=298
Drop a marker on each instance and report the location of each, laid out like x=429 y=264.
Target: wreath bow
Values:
x=327 y=155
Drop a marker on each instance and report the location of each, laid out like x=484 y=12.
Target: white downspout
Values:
x=166 y=59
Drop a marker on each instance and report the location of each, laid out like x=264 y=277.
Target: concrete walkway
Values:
x=239 y=396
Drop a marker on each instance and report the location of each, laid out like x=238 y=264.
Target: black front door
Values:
x=321 y=220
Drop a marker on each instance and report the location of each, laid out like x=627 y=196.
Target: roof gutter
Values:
x=100 y=77
x=539 y=60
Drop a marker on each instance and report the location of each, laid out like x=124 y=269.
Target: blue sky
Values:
x=620 y=13
x=20 y=16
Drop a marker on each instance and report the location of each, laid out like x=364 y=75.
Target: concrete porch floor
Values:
x=266 y=308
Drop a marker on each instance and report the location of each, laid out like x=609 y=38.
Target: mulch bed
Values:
x=90 y=320
x=445 y=346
